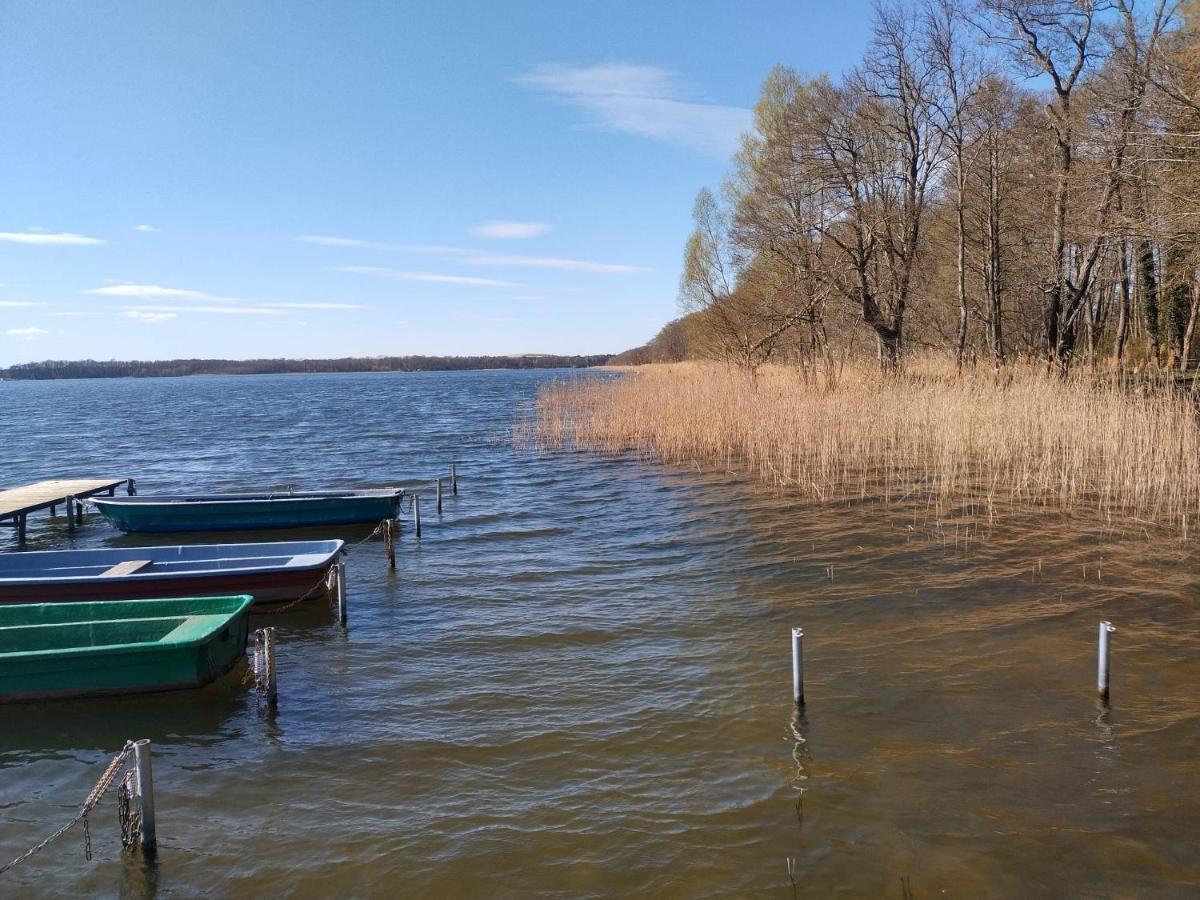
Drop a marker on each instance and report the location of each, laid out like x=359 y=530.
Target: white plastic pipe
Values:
x=1102 y=663
x=798 y=665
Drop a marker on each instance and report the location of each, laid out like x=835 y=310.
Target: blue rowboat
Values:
x=271 y=573
x=250 y=512
x=119 y=646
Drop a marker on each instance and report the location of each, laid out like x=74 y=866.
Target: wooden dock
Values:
x=17 y=503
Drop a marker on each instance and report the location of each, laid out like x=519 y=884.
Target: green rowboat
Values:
x=118 y=646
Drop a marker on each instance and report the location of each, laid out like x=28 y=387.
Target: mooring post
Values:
x=416 y=504
x=439 y=495
x=71 y=513
x=454 y=479
x=798 y=666
x=341 y=591
x=389 y=542
x=256 y=661
x=131 y=487
x=78 y=511
x=21 y=528
x=145 y=792
x=1102 y=666
x=269 y=665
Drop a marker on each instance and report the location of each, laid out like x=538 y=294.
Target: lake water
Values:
x=578 y=682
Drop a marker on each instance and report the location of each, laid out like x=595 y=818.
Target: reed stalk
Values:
x=1021 y=436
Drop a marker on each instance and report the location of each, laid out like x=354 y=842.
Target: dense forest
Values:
x=90 y=368
x=994 y=180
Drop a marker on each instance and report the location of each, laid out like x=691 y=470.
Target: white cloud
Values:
x=466 y=280
x=12 y=304
x=145 y=291
x=212 y=310
x=508 y=229
x=312 y=306
x=44 y=238
x=28 y=333
x=150 y=317
x=327 y=240
x=642 y=100
x=148 y=229
x=553 y=262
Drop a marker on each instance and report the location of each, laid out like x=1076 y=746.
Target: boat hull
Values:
x=273 y=573
x=119 y=647
x=232 y=513
x=265 y=587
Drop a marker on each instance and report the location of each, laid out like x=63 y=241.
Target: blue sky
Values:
x=251 y=179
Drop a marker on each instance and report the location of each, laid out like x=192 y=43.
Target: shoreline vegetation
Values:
x=966 y=270
x=174 y=368
x=986 y=440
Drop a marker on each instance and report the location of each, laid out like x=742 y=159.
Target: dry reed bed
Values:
x=1023 y=436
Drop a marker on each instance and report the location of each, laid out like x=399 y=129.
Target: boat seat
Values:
x=128 y=567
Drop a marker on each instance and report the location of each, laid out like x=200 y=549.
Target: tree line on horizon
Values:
x=90 y=368
x=1005 y=179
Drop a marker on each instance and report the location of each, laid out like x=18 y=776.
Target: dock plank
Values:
x=16 y=501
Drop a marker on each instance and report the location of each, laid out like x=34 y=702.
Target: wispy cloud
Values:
x=46 y=238
x=148 y=229
x=313 y=305
x=435 y=277
x=153 y=318
x=145 y=291
x=210 y=310
x=207 y=303
x=13 y=304
x=642 y=100
x=29 y=334
x=553 y=262
x=329 y=240
x=509 y=229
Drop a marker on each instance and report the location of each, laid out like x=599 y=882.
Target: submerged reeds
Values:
x=1129 y=449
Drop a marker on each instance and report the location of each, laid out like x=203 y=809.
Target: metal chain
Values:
x=93 y=798
x=129 y=817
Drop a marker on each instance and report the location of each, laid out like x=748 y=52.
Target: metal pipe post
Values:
x=439 y=495
x=454 y=479
x=145 y=792
x=341 y=591
x=21 y=526
x=269 y=665
x=1102 y=665
x=416 y=503
x=798 y=666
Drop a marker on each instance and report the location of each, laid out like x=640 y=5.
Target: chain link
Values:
x=93 y=798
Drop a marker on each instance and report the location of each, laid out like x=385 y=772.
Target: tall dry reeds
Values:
x=1021 y=436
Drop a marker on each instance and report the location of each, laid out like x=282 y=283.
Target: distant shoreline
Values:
x=54 y=370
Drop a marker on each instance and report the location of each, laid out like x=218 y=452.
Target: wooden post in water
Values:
x=389 y=542
x=416 y=505
x=78 y=512
x=145 y=792
x=340 y=581
x=454 y=479
x=798 y=666
x=439 y=495
x=21 y=529
x=71 y=501
x=1102 y=664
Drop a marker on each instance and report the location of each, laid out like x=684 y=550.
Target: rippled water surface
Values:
x=577 y=682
